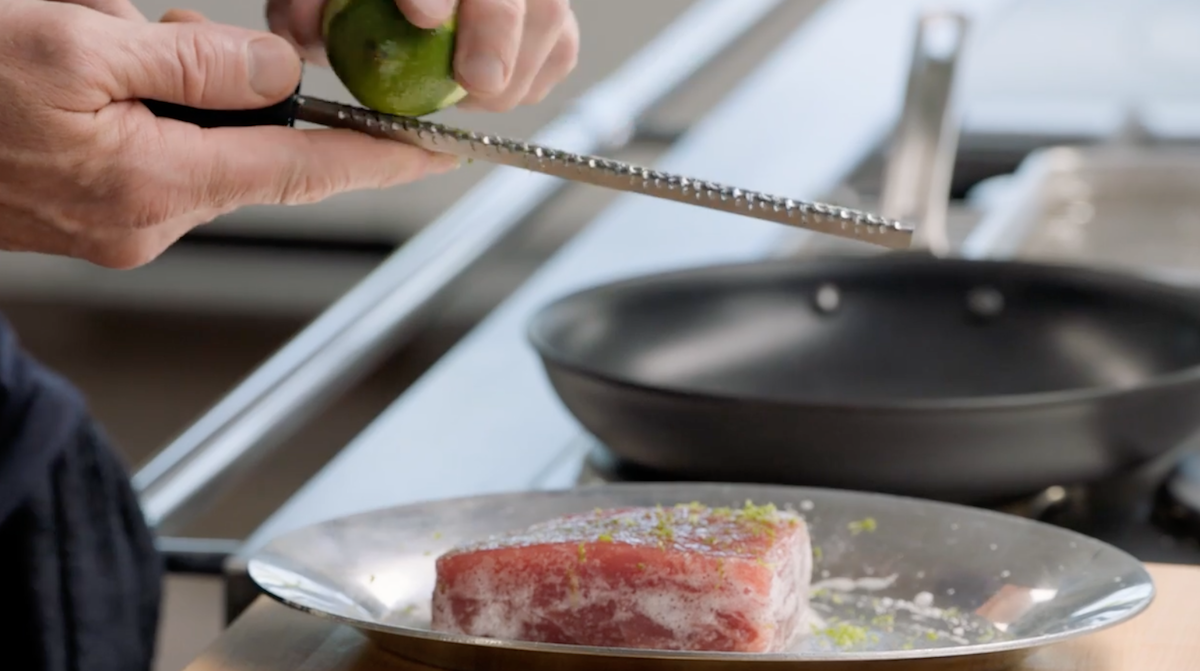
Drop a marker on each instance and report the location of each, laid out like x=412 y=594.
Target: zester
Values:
x=829 y=219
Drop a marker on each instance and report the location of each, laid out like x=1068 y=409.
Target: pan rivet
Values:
x=827 y=298
x=985 y=302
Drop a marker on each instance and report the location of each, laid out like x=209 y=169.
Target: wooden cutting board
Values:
x=272 y=637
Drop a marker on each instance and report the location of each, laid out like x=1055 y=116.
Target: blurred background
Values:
x=153 y=348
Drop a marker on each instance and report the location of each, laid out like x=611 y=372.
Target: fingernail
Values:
x=483 y=73
x=441 y=164
x=435 y=9
x=273 y=67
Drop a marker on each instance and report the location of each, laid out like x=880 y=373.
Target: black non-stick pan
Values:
x=958 y=380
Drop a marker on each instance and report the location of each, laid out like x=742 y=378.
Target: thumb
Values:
x=205 y=65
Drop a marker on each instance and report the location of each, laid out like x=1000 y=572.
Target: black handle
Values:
x=196 y=556
x=280 y=114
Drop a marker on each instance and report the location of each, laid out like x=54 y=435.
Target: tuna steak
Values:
x=687 y=577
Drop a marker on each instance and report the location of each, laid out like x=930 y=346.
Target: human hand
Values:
x=508 y=53
x=87 y=171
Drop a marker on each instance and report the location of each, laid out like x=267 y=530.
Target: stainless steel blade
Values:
x=828 y=219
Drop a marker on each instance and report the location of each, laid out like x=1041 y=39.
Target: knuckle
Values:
x=570 y=37
x=567 y=49
x=508 y=12
x=301 y=187
x=58 y=42
x=201 y=63
x=554 y=12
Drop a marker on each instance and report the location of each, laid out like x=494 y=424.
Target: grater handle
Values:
x=282 y=113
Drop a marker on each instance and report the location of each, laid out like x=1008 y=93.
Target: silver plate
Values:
x=931 y=586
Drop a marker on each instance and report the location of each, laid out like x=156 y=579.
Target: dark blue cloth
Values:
x=39 y=415
x=80 y=579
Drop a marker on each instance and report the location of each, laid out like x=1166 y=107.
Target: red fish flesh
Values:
x=686 y=577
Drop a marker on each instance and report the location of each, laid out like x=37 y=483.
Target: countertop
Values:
x=272 y=637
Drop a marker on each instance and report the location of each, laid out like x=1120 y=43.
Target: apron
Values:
x=80 y=579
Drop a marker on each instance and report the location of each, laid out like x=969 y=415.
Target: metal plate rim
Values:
x=971 y=650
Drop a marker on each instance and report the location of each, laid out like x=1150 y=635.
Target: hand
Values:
x=87 y=171
x=509 y=52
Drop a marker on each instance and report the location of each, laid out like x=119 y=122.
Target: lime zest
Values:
x=845 y=635
x=865 y=525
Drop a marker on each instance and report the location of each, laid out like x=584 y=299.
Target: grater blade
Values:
x=597 y=171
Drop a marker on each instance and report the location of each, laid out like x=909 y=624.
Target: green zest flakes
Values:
x=767 y=513
x=845 y=635
x=885 y=621
x=663 y=529
x=866 y=525
x=741 y=530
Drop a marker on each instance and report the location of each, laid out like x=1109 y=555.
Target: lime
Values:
x=387 y=63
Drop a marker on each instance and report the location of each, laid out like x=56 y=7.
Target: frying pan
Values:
x=957 y=380
x=967 y=381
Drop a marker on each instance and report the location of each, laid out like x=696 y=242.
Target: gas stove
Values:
x=1156 y=519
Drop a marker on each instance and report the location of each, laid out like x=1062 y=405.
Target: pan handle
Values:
x=920 y=165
